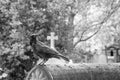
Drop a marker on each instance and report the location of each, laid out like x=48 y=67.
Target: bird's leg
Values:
x=44 y=61
x=39 y=61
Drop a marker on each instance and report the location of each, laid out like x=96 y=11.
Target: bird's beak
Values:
x=36 y=34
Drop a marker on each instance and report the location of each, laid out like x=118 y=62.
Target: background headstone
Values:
x=52 y=39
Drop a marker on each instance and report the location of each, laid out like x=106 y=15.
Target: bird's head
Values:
x=33 y=36
x=33 y=39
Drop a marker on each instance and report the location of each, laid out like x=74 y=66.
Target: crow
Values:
x=43 y=51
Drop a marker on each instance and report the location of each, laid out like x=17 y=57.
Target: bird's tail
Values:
x=63 y=57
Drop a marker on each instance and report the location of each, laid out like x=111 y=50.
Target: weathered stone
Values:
x=75 y=72
x=52 y=39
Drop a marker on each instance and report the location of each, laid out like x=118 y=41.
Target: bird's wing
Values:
x=63 y=57
x=47 y=47
x=52 y=51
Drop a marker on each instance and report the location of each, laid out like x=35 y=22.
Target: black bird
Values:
x=43 y=51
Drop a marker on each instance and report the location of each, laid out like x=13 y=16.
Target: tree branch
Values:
x=100 y=24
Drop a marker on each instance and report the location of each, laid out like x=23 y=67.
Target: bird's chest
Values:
x=41 y=52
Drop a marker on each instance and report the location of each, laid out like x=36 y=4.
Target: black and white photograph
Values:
x=59 y=39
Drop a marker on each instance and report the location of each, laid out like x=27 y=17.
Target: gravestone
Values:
x=52 y=39
x=74 y=72
x=113 y=53
x=102 y=58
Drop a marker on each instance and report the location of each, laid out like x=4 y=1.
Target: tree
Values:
x=96 y=20
x=21 y=18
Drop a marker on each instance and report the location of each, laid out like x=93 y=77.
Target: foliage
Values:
x=21 y=18
x=97 y=25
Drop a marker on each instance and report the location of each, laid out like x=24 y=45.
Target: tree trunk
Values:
x=70 y=34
